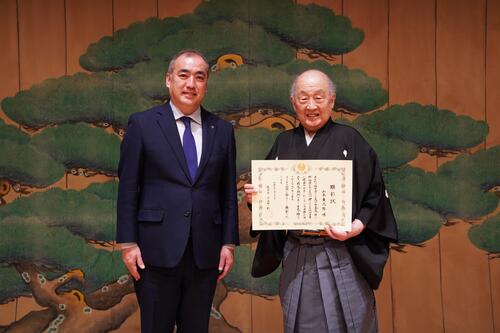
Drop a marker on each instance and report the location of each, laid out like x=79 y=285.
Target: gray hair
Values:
x=187 y=52
x=331 y=86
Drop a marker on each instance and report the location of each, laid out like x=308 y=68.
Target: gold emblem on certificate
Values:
x=302 y=194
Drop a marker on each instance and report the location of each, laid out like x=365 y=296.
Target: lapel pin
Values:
x=212 y=126
x=345 y=153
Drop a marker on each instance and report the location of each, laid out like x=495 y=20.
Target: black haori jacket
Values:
x=370 y=203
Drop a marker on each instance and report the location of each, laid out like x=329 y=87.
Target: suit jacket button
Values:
x=186 y=214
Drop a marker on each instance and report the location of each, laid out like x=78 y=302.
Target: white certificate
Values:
x=302 y=194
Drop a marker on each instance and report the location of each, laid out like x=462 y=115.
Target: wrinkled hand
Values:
x=249 y=192
x=132 y=258
x=225 y=262
x=356 y=228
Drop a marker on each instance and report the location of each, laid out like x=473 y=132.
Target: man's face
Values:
x=187 y=82
x=312 y=101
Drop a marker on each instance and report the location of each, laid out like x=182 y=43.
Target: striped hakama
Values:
x=321 y=289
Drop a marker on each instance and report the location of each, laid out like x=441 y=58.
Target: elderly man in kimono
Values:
x=328 y=276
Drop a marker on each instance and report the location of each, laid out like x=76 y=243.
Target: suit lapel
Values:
x=166 y=121
x=208 y=133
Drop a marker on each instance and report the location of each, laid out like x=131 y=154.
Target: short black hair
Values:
x=183 y=52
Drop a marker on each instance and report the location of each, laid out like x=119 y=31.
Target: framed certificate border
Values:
x=301 y=194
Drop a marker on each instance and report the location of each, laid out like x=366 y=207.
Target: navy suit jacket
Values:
x=159 y=206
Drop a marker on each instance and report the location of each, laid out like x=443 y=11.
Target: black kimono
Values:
x=370 y=204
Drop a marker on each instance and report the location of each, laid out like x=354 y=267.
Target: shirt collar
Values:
x=195 y=116
x=310 y=136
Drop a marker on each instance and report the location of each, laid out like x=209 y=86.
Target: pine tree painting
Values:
x=57 y=245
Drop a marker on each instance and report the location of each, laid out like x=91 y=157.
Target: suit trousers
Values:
x=180 y=296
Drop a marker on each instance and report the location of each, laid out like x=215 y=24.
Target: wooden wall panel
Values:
x=9 y=62
x=86 y=23
x=383 y=296
x=237 y=310
x=495 y=292
x=412 y=30
x=267 y=315
x=42 y=40
x=461 y=88
x=412 y=59
x=493 y=71
x=417 y=289
x=466 y=283
x=8 y=313
x=9 y=85
x=129 y=11
x=371 y=55
x=131 y=325
x=169 y=8
x=493 y=118
x=416 y=279
x=9 y=58
x=460 y=56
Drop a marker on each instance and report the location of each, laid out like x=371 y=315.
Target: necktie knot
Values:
x=186 y=121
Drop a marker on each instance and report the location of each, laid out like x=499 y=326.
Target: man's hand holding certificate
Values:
x=302 y=194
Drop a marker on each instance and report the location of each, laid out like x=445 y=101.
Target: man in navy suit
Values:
x=177 y=207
